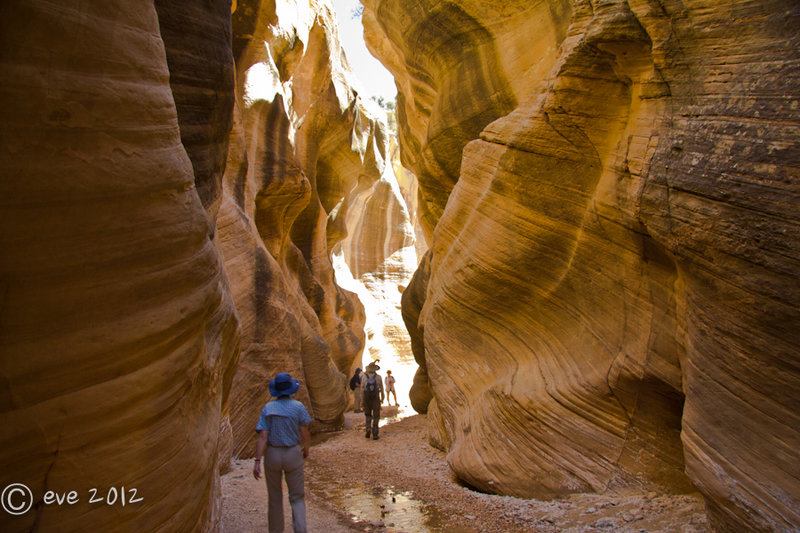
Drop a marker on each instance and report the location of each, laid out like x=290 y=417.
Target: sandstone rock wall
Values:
x=304 y=173
x=409 y=189
x=611 y=297
x=380 y=255
x=116 y=329
x=379 y=226
x=165 y=217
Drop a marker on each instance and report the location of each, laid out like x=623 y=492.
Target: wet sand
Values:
x=401 y=484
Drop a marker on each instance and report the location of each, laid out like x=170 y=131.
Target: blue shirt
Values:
x=282 y=418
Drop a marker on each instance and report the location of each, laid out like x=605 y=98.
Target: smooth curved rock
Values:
x=409 y=189
x=413 y=299
x=378 y=227
x=306 y=155
x=116 y=328
x=610 y=298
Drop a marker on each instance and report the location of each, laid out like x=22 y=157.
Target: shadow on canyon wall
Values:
x=609 y=190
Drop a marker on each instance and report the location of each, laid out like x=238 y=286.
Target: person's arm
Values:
x=261 y=447
x=380 y=388
x=305 y=440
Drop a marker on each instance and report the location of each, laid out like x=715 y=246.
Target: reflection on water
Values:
x=394 y=511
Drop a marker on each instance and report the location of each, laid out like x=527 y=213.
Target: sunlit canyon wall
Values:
x=611 y=194
x=378 y=258
x=303 y=147
x=175 y=176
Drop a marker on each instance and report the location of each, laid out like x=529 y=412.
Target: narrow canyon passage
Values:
x=571 y=229
x=402 y=484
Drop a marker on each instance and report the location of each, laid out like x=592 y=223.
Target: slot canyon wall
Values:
x=118 y=330
x=381 y=252
x=611 y=194
x=304 y=148
x=175 y=177
x=311 y=172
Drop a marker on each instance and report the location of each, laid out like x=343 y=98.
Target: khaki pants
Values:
x=286 y=462
x=357 y=399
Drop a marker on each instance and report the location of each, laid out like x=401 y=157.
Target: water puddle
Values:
x=389 y=510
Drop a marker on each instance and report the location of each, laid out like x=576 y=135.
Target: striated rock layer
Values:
x=174 y=183
x=612 y=193
x=117 y=330
x=305 y=153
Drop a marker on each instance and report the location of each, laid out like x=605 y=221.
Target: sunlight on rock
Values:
x=384 y=262
x=598 y=201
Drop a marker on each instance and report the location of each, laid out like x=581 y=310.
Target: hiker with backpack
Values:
x=372 y=391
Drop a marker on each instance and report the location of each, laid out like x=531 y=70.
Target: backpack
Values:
x=371 y=388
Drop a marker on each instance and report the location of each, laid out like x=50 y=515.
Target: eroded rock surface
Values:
x=305 y=177
x=174 y=183
x=116 y=330
x=380 y=252
x=612 y=296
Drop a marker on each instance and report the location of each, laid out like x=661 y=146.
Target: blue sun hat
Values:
x=283 y=385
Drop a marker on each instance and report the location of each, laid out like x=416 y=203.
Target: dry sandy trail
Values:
x=400 y=484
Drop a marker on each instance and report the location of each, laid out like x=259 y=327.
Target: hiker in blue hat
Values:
x=283 y=442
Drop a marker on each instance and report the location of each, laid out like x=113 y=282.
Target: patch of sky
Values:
x=376 y=81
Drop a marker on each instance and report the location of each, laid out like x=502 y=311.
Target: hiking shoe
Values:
x=375 y=437
x=368 y=434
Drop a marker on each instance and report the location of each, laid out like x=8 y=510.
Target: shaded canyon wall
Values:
x=611 y=193
x=117 y=330
x=175 y=177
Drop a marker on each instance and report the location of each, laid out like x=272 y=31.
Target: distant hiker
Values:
x=390 y=388
x=372 y=389
x=355 y=386
x=282 y=428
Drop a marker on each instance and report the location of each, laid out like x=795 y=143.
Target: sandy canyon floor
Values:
x=401 y=484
